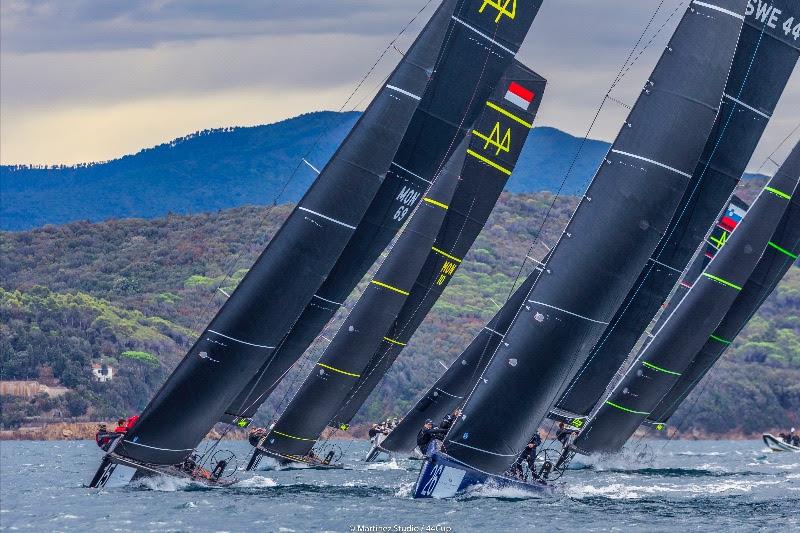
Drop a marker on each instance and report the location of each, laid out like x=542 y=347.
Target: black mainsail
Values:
x=781 y=253
x=762 y=65
x=489 y=152
x=477 y=193
x=284 y=279
x=482 y=39
x=662 y=362
x=610 y=238
x=452 y=388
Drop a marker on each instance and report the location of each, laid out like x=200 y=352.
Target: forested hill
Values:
x=131 y=294
x=220 y=169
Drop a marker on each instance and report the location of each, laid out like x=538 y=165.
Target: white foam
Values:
x=258 y=482
x=405 y=490
x=163 y=483
x=386 y=465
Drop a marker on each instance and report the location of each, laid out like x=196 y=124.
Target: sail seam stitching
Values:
x=783 y=250
x=157 y=448
x=385 y=286
x=489 y=162
x=509 y=114
x=722 y=281
x=493 y=331
x=404 y=169
x=612 y=404
x=326 y=300
x=307 y=210
x=434 y=202
x=445 y=254
x=282 y=434
x=654 y=367
x=751 y=108
x=483 y=451
x=666 y=265
x=329 y=367
x=568 y=312
x=239 y=340
x=448 y=394
x=393 y=341
x=654 y=162
x=403 y=91
x=510 y=51
x=720 y=9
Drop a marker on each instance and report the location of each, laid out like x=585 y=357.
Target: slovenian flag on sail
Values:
x=732 y=217
x=519 y=95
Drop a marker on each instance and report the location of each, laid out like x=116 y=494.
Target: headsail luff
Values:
x=779 y=256
x=762 y=65
x=452 y=388
x=344 y=359
x=659 y=366
x=606 y=244
x=481 y=42
x=284 y=279
x=476 y=196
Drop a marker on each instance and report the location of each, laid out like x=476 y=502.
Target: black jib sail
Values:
x=659 y=366
x=780 y=254
x=248 y=327
x=482 y=39
x=507 y=118
x=606 y=244
x=764 y=60
x=452 y=388
x=489 y=152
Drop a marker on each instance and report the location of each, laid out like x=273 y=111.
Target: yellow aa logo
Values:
x=502 y=145
x=501 y=7
x=721 y=240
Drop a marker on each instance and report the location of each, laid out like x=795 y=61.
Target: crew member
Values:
x=449 y=418
x=427 y=437
x=529 y=456
x=563 y=434
x=121 y=426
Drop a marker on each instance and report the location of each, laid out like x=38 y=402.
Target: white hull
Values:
x=777 y=445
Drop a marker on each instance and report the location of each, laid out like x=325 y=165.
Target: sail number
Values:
x=501 y=7
x=447 y=270
x=407 y=197
x=767 y=13
x=721 y=240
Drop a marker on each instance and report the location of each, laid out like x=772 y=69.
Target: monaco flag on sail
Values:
x=519 y=95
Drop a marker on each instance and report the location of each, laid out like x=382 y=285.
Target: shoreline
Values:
x=59 y=431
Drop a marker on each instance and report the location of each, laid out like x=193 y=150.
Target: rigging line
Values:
x=671 y=231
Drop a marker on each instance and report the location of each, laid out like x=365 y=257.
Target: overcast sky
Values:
x=88 y=80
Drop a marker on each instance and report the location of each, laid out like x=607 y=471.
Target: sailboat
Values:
x=284 y=280
x=483 y=160
x=480 y=42
x=764 y=61
x=609 y=240
x=695 y=320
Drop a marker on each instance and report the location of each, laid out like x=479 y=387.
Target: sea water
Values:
x=676 y=486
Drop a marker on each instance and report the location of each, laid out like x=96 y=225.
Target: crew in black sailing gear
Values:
x=528 y=455
x=427 y=437
x=563 y=434
x=448 y=419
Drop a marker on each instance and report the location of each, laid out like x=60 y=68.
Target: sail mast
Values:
x=659 y=366
x=764 y=61
x=482 y=39
x=284 y=279
x=608 y=241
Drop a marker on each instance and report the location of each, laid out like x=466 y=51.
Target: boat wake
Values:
x=259 y=482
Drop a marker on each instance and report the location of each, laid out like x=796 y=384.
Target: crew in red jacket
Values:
x=121 y=426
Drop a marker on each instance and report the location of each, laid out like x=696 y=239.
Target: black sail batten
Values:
x=283 y=280
x=477 y=193
x=344 y=359
x=481 y=42
x=762 y=65
x=658 y=367
x=606 y=244
x=781 y=253
x=452 y=388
